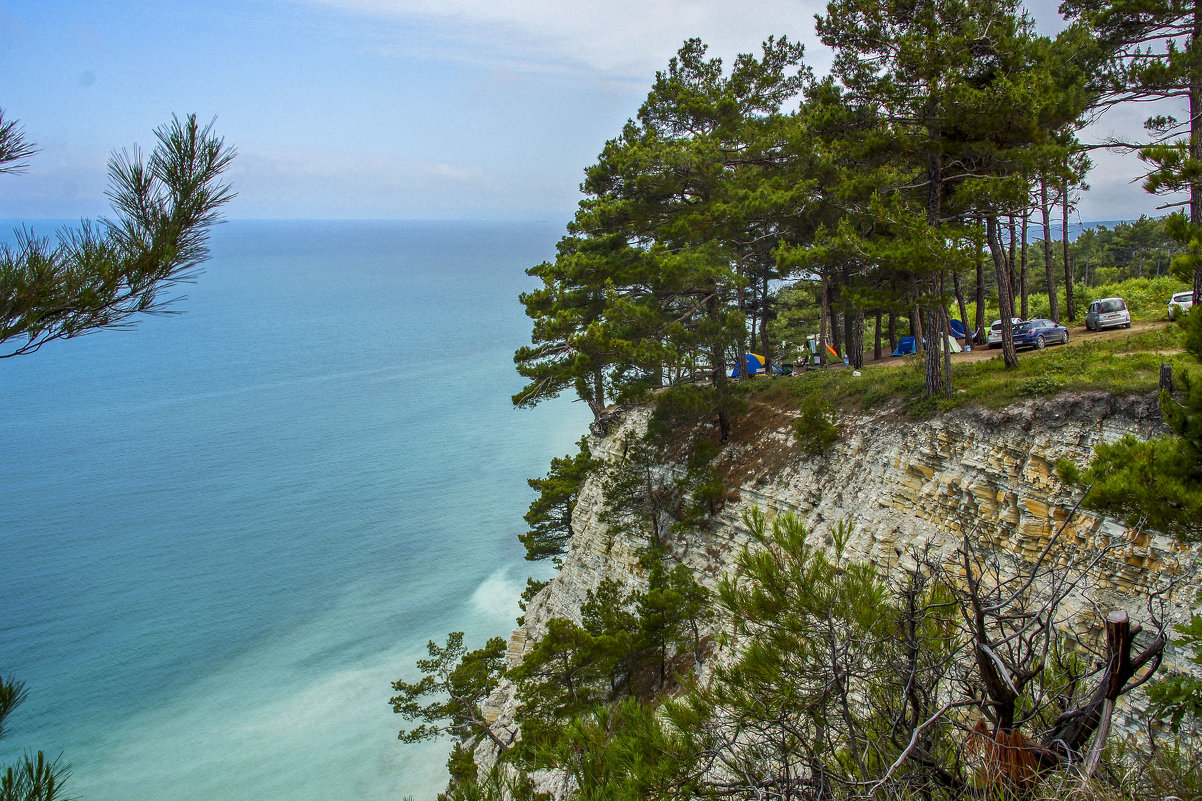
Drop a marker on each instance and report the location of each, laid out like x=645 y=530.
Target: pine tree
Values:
x=33 y=777
x=550 y=514
x=104 y=275
x=463 y=680
x=1152 y=50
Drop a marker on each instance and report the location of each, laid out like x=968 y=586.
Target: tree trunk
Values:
x=935 y=380
x=916 y=329
x=1049 y=270
x=765 y=343
x=1011 y=257
x=855 y=344
x=876 y=337
x=944 y=333
x=1073 y=728
x=980 y=334
x=1005 y=299
x=1067 y=256
x=1195 y=142
x=823 y=315
x=596 y=404
x=741 y=300
x=1022 y=262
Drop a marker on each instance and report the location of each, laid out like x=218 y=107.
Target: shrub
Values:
x=815 y=428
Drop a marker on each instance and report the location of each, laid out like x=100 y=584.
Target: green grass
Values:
x=1122 y=365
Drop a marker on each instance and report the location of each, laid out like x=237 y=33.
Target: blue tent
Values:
x=905 y=345
x=958 y=330
x=755 y=366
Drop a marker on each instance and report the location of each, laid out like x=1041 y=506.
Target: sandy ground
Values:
x=1076 y=335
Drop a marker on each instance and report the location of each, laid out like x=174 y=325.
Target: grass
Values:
x=1122 y=365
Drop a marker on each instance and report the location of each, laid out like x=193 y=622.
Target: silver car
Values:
x=1108 y=313
x=995 y=331
x=1181 y=302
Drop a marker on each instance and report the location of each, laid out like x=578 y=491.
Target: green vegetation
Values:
x=33 y=778
x=900 y=192
x=1126 y=364
x=550 y=514
x=938 y=683
x=102 y=276
x=745 y=210
x=815 y=427
x=1157 y=483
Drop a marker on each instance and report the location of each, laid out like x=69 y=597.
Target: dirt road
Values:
x=1076 y=335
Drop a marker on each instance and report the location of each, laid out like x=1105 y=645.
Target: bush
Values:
x=1147 y=298
x=815 y=428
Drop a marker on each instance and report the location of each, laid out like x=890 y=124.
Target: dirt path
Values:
x=1076 y=335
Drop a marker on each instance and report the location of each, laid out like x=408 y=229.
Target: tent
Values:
x=905 y=345
x=958 y=330
x=755 y=366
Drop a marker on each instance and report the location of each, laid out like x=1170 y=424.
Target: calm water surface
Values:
x=225 y=532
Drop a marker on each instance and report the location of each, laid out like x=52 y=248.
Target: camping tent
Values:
x=904 y=345
x=755 y=366
x=958 y=330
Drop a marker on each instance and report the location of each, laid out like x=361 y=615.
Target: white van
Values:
x=1108 y=313
x=1181 y=302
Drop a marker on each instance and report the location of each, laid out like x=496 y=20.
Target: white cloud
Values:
x=620 y=38
x=274 y=182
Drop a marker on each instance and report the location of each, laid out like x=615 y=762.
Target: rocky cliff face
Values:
x=907 y=487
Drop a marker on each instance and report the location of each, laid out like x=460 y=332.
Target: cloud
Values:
x=284 y=183
x=625 y=39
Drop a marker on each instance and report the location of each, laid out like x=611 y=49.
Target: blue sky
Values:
x=379 y=108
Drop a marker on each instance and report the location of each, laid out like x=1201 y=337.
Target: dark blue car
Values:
x=1037 y=333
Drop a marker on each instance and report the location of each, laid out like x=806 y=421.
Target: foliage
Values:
x=622 y=752
x=462 y=679
x=1179 y=698
x=103 y=275
x=575 y=668
x=501 y=783
x=33 y=777
x=815 y=427
x=550 y=514
x=1157 y=482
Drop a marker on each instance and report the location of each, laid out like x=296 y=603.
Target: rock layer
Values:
x=907 y=487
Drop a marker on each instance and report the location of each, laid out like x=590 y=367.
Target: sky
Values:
x=386 y=109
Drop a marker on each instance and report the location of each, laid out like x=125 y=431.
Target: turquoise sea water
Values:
x=226 y=531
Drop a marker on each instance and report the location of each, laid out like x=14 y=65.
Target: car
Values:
x=1038 y=332
x=1180 y=302
x=1108 y=313
x=995 y=331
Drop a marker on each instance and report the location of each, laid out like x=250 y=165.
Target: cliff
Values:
x=908 y=487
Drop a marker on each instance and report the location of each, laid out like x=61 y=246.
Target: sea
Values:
x=226 y=531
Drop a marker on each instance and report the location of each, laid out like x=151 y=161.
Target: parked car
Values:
x=1181 y=302
x=995 y=331
x=1108 y=313
x=1038 y=332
